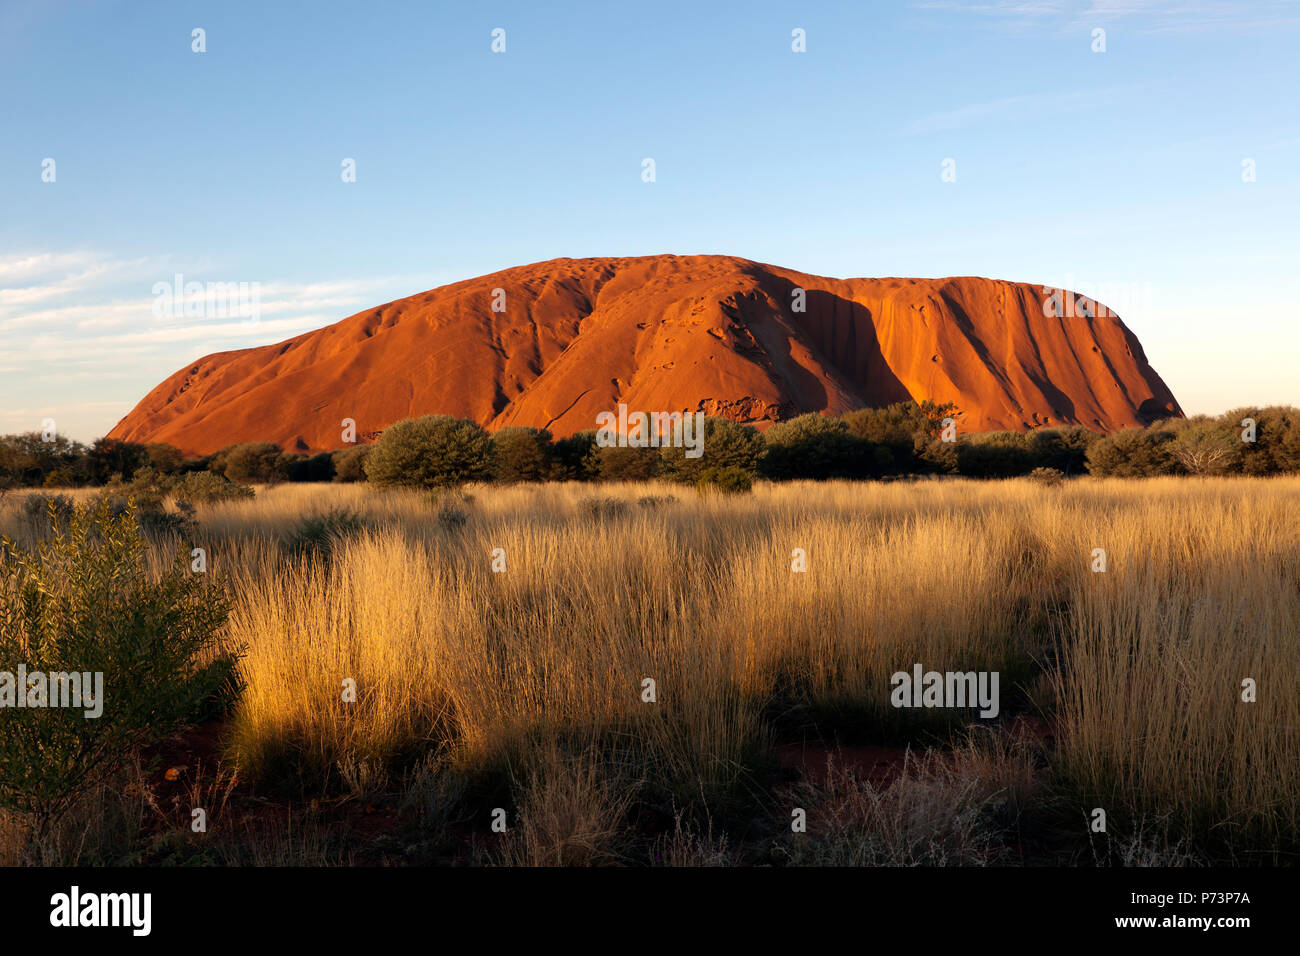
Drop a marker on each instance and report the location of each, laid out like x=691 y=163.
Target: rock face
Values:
x=661 y=333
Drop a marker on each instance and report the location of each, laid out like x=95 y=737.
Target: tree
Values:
x=1276 y=447
x=622 y=464
x=295 y=467
x=1203 y=447
x=164 y=458
x=249 y=462
x=571 y=457
x=1133 y=453
x=111 y=456
x=1064 y=449
x=521 y=454
x=29 y=458
x=994 y=455
x=349 y=463
x=812 y=446
x=430 y=452
x=727 y=445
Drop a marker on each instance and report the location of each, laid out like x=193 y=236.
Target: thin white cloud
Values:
x=1010 y=108
x=78 y=323
x=1143 y=16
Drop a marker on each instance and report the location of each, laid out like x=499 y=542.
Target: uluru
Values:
x=553 y=344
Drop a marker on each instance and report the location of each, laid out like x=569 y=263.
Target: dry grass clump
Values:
x=965 y=807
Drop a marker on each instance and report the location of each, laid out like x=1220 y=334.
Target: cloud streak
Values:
x=77 y=315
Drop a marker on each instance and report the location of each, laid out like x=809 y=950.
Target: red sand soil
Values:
x=664 y=333
x=195 y=755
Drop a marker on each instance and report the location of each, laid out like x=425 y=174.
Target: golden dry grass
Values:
x=527 y=671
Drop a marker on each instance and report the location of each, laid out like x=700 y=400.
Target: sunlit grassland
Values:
x=523 y=688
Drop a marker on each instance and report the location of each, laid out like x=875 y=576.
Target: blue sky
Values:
x=1118 y=173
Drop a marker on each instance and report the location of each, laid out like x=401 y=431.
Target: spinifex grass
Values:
x=515 y=676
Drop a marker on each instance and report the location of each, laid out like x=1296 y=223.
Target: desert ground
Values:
x=499 y=640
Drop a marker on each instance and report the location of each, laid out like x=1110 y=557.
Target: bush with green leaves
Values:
x=150 y=488
x=431 y=452
x=727 y=444
x=249 y=462
x=897 y=433
x=731 y=480
x=83 y=601
x=205 y=488
x=571 y=457
x=292 y=466
x=994 y=455
x=612 y=463
x=1204 y=447
x=1134 y=453
x=110 y=458
x=1276 y=445
x=349 y=463
x=656 y=502
x=603 y=507
x=164 y=458
x=319 y=535
x=521 y=454
x=812 y=446
x=1064 y=449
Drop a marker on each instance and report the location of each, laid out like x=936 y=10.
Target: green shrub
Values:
x=613 y=463
x=896 y=434
x=1276 y=448
x=294 y=467
x=148 y=489
x=994 y=455
x=319 y=535
x=110 y=456
x=349 y=463
x=1204 y=447
x=83 y=601
x=249 y=462
x=521 y=454
x=1133 y=453
x=571 y=458
x=1048 y=477
x=164 y=458
x=812 y=446
x=936 y=455
x=1065 y=449
x=655 y=502
x=731 y=480
x=430 y=452
x=451 y=506
x=727 y=444
x=206 y=488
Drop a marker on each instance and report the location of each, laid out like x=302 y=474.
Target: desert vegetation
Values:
x=499 y=636
x=902 y=440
